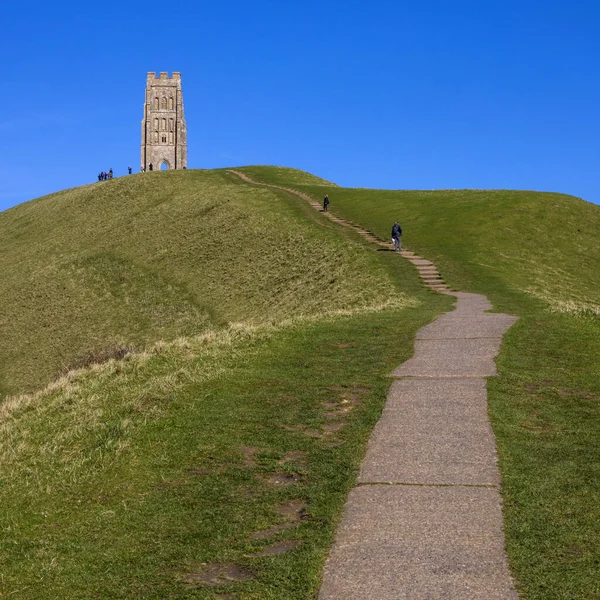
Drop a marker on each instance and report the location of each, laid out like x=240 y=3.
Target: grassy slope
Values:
x=535 y=255
x=122 y=479
x=157 y=256
x=285 y=176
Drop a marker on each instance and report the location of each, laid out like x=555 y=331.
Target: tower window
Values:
x=163 y=103
x=171 y=125
x=164 y=139
x=171 y=104
x=155 y=103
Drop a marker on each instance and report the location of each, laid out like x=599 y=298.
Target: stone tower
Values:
x=163 y=128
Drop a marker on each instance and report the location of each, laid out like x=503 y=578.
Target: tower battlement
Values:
x=164 y=133
x=152 y=78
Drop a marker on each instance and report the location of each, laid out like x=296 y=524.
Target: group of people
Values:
x=104 y=175
x=396 y=229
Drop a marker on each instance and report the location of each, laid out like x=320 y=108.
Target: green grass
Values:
x=144 y=477
x=262 y=339
x=157 y=256
x=255 y=322
x=540 y=244
x=534 y=255
x=285 y=176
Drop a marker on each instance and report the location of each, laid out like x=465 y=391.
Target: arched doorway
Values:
x=164 y=166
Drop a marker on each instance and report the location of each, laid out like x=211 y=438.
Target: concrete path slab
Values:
x=440 y=392
x=459 y=326
x=418 y=543
x=433 y=432
x=420 y=262
x=468 y=309
x=451 y=358
x=473 y=299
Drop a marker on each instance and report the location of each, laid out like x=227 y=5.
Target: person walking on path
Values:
x=325 y=203
x=397 y=236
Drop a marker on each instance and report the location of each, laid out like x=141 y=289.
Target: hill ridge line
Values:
x=428 y=272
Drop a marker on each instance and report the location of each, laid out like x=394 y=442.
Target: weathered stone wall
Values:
x=164 y=134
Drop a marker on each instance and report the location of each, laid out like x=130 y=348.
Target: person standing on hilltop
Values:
x=397 y=236
x=325 y=203
x=129 y=170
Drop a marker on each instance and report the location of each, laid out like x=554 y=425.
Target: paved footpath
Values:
x=424 y=521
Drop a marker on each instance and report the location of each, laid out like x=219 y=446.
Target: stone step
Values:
x=421 y=262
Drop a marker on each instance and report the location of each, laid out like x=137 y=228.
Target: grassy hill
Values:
x=539 y=244
x=534 y=255
x=285 y=176
x=233 y=349
x=150 y=257
x=257 y=338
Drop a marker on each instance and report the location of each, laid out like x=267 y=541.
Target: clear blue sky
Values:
x=392 y=94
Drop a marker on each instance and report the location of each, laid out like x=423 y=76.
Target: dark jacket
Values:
x=396 y=231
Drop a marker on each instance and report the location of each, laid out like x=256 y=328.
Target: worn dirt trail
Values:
x=424 y=520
